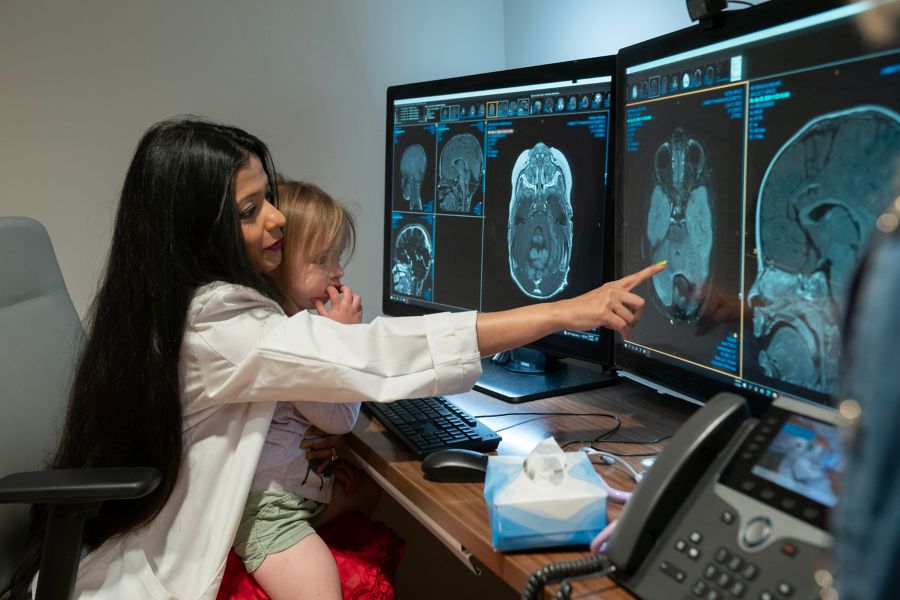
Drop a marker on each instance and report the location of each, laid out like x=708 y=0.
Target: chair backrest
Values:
x=40 y=336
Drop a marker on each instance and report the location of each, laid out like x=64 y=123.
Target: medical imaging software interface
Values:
x=497 y=196
x=758 y=167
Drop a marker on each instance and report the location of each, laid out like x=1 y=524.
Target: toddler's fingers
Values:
x=334 y=295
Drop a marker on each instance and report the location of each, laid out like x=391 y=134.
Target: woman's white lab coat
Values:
x=239 y=356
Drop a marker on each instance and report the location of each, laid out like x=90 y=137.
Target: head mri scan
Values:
x=817 y=205
x=680 y=227
x=411 y=260
x=412 y=172
x=540 y=229
x=460 y=173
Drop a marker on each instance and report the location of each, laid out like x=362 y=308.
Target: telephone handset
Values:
x=734 y=507
x=675 y=472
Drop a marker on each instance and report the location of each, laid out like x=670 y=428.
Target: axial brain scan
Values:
x=460 y=173
x=680 y=228
x=412 y=171
x=411 y=261
x=817 y=205
x=540 y=228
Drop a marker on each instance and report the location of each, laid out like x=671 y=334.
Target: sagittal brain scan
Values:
x=679 y=227
x=411 y=260
x=412 y=171
x=540 y=222
x=461 y=162
x=817 y=205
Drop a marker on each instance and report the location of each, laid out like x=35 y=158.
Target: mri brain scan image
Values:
x=412 y=171
x=411 y=260
x=460 y=173
x=539 y=232
x=680 y=227
x=816 y=208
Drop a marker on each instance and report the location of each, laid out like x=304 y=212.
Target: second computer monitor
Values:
x=496 y=197
x=755 y=157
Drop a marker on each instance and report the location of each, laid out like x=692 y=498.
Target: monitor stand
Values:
x=526 y=374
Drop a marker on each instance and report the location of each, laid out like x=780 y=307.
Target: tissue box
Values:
x=528 y=511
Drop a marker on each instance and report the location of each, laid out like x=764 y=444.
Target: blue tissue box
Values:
x=526 y=513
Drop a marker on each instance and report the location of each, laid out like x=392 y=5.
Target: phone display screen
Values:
x=804 y=457
x=790 y=461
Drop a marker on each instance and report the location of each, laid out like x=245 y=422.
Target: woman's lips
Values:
x=276 y=247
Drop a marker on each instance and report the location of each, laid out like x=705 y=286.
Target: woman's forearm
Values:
x=498 y=331
x=611 y=305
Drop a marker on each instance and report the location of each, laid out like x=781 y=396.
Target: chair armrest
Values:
x=76 y=486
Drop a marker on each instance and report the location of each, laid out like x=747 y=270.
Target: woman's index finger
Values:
x=629 y=282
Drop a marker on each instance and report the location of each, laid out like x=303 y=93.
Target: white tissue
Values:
x=546 y=464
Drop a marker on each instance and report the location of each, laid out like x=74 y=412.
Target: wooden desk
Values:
x=456 y=512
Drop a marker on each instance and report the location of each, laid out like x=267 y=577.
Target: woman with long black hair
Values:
x=188 y=351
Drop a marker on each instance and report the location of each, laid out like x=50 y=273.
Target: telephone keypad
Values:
x=729 y=579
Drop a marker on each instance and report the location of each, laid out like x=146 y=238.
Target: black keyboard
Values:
x=433 y=423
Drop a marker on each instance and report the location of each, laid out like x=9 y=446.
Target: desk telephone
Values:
x=734 y=507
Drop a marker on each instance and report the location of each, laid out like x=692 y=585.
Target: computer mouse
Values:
x=455 y=465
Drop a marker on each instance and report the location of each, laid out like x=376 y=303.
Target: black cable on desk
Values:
x=596 y=565
x=541 y=415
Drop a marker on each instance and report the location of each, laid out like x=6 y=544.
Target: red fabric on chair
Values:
x=367 y=554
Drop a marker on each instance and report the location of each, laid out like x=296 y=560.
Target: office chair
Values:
x=40 y=335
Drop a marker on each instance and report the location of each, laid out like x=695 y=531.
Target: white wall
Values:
x=541 y=31
x=81 y=81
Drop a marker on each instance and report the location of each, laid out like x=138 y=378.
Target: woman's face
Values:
x=310 y=277
x=261 y=222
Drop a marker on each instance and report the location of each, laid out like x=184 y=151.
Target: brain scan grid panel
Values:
x=540 y=222
x=682 y=184
x=460 y=168
x=414 y=166
x=544 y=208
x=820 y=171
x=412 y=256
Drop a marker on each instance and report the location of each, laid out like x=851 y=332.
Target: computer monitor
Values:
x=756 y=157
x=495 y=197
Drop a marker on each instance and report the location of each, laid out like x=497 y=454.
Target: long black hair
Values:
x=177 y=228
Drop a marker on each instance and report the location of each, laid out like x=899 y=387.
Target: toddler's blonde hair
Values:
x=315 y=223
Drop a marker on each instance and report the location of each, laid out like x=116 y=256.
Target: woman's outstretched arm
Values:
x=612 y=305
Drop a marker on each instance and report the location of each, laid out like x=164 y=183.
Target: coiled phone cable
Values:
x=596 y=565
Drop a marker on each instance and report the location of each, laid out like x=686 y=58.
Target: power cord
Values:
x=541 y=415
x=596 y=565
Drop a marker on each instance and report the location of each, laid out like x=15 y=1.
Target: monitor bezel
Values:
x=728 y=25
x=556 y=345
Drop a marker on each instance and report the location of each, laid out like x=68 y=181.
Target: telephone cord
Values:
x=596 y=565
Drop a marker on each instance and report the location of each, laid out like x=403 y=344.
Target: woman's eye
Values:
x=248 y=212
